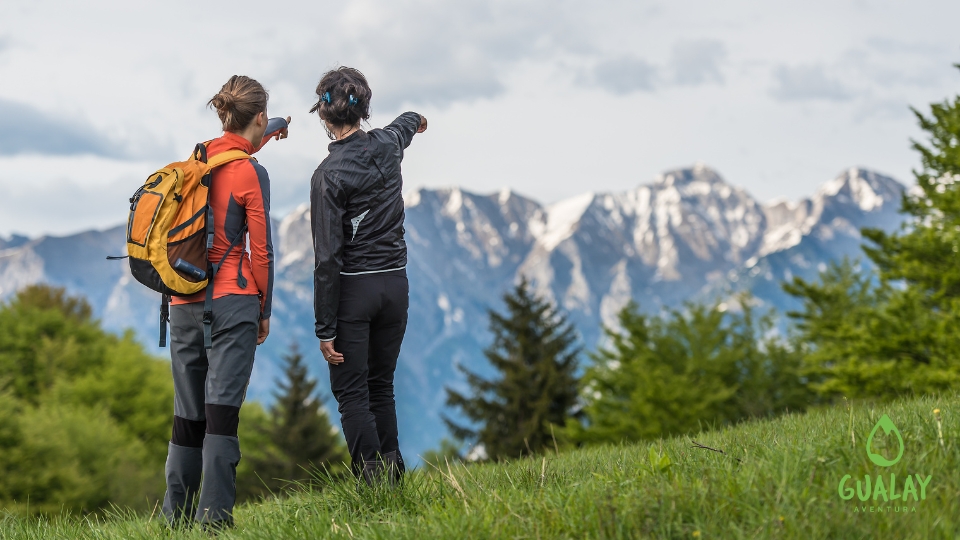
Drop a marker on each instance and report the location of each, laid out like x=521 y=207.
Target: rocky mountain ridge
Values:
x=686 y=235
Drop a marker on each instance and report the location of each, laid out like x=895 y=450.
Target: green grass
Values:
x=777 y=479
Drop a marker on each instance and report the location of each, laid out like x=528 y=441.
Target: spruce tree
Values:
x=300 y=431
x=534 y=353
x=896 y=332
x=924 y=253
x=685 y=370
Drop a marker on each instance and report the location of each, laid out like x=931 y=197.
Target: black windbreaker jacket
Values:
x=356 y=212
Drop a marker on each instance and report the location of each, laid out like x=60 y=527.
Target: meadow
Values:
x=777 y=478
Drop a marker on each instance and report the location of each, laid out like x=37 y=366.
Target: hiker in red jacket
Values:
x=210 y=385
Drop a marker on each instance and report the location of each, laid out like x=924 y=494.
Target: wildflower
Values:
x=696 y=534
x=936 y=416
x=781 y=519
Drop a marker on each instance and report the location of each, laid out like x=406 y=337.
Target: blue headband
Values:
x=353 y=100
x=325 y=97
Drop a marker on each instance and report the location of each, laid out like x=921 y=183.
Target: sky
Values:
x=548 y=98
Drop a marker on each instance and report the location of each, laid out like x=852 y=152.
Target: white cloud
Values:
x=25 y=129
x=552 y=98
x=625 y=75
x=807 y=82
x=434 y=53
x=62 y=194
x=698 y=61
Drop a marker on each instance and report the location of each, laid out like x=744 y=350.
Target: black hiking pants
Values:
x=371 y=321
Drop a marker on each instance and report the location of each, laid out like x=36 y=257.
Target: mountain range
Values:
x=688 y=235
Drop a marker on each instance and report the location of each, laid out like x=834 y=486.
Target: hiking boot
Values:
x=393 y=463
x=372 y=473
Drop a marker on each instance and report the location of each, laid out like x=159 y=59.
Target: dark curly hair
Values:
x=341 y=83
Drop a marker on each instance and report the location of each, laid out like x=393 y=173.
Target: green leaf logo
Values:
x=887 y=426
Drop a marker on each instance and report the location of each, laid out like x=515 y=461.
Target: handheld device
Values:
x=189 y=269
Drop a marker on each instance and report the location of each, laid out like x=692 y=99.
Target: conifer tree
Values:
x=534 y=353
x=302 y=437
x=897 y=334
x=683 y=371
x=924 y=253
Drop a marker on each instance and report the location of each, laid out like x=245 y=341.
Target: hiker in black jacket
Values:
x=360 y=282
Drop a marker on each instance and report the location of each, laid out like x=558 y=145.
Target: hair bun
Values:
x=223 y=102
x=238 y=102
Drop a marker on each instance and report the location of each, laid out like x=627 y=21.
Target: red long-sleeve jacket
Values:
x=240 y=194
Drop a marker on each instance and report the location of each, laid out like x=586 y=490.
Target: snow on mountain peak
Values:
x=689 y=175
x=300 y=212
x=683 y=212
x=872 y=194
x=295 y=237
x=560 y=220
x=454 y=202
x=412 y=198
x=863 y=188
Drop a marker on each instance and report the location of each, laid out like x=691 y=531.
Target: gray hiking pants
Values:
x=209 y=387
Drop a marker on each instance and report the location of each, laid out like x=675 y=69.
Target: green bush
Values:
x=76 y=458
x=84 y=414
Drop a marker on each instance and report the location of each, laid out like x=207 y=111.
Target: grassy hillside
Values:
x=775 y=479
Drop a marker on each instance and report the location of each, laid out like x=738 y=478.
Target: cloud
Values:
x=417 y=52
x=807 y=83
x=698 y=62
x=432 y=53
x=890 y=63
x=62 y=208
x=625 y=75
x=692 y=63
x=27 y=130
x=58 y=194
x=888 y=46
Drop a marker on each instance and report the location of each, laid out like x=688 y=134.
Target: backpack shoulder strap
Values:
x=228 y=156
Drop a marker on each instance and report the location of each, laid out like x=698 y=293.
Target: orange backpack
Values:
x=170 y=230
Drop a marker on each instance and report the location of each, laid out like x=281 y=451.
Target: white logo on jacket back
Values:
x=356 y=223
